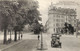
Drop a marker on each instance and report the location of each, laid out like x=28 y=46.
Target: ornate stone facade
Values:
x=57 y=18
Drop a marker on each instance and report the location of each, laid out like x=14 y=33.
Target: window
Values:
x=57 y=20
x=62 y=24
x=53 y=15
x=59 y=16
x=54 y=29
x=57 y=24
x=62 y=20
x=54 y=20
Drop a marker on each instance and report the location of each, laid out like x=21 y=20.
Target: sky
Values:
x=43 y=7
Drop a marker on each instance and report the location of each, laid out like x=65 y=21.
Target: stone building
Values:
x=58 y=16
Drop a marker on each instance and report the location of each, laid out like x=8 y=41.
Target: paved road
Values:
x=69 y=43
x=25 y=45
x=29 y=43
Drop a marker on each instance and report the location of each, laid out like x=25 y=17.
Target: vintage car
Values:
x=55 y=42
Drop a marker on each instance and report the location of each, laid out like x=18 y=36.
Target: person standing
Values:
x=21 y=36
x=38 y=37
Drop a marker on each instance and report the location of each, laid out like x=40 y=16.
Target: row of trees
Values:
x=15 y=14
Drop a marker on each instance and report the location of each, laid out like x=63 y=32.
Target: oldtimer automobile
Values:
x=55 y=42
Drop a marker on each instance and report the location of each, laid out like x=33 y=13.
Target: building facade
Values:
x=58 y=16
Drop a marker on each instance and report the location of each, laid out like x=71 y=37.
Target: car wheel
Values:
x=60 y=46
x=51 y=45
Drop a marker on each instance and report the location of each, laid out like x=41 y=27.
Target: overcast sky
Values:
x=43 y=7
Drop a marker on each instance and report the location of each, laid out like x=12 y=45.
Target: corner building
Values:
x=58 y=17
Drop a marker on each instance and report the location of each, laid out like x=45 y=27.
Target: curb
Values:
x=11 y=45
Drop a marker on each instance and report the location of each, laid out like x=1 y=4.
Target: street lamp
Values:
x=77 y=28
x=41 y=39
x=41 y=42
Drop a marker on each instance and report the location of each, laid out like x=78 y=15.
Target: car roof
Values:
x=55 y=34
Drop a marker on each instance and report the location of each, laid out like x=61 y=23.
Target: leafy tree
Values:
x=6 y=17
x=16 y=14
x=66 y=27
x=27 y=12
x=69 y=28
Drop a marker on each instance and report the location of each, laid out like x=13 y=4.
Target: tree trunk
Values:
x=10 y=34
x=5 y=37
x=15 y=38
x=19 y=35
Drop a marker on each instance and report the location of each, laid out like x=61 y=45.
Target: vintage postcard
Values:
x=39 y=25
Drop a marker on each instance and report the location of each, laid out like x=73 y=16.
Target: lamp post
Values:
x=41 y=39
x=42 y=45
x=77 y=29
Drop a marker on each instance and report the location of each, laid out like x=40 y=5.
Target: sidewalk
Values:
x=5 y=46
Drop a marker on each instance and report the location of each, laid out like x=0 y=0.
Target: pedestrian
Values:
x=21 y=36
x=38 y=37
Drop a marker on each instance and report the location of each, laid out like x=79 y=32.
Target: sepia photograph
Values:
x=39 y=25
